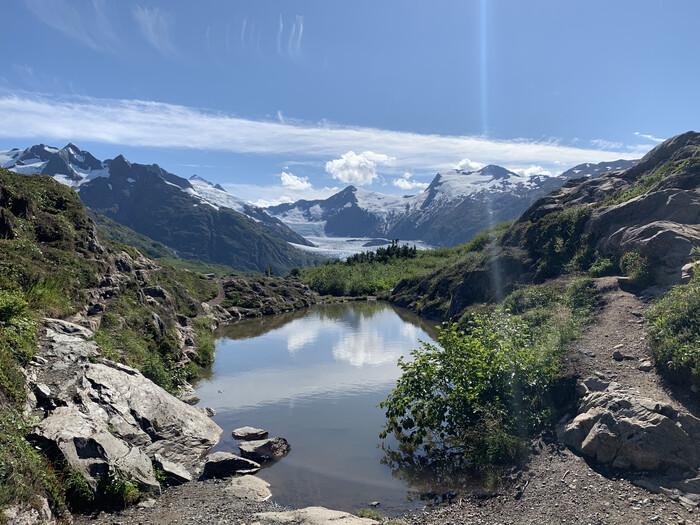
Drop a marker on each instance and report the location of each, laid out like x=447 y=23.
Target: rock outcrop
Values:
x=101 y=416
x=652 y=207
x=619 y=429
x=249 y=433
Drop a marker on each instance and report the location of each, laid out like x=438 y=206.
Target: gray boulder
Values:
x=225 y=464
x=265 y=449
x=249 y=487
x=249 y=433
x=175 y=474
x=102 y=416
x=627 y=431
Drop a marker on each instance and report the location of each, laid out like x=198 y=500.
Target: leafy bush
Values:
x=637 y=268
x=603 y=266
x=674 y=333
x=370 y=514
x=474 y=398
x=120 y=491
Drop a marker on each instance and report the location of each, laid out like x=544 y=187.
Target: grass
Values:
x=674 y=334
x=646 y=183
x=370 y=514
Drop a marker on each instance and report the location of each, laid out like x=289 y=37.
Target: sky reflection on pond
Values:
x=315 y=378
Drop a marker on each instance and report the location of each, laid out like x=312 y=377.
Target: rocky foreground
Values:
x=627 y=453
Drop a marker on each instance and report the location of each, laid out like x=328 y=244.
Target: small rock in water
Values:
x=249 y=433
x=191 y=400
x=225 y=464
x=265 y=449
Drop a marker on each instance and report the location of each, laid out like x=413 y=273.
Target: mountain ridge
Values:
x=168 y=208
x=451 y=210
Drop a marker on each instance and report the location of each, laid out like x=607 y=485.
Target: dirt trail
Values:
x=560 y=487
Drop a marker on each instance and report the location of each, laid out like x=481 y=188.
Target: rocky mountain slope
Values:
x=194 y=218
x=645 y=217
x=456 y=206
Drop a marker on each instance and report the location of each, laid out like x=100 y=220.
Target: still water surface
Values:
x=315 y=378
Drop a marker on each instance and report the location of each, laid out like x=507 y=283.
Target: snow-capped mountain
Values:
x=77 y=168
x=457 y=205
x=195 y=218
x=593 y=170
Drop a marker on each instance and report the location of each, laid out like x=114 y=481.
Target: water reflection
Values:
x=315 y=377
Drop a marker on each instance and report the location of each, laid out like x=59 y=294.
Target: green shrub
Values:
x=674 y=333
x=12 y=304
x=24 y=473
x=637 y=268
x=120 y=491
x=603 y=266
x=476 y=397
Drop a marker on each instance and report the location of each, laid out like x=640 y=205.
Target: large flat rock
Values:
x=311 y=516
x=104 y=416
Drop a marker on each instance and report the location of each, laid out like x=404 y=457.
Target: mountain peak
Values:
x=200 y=179
x=496 y=172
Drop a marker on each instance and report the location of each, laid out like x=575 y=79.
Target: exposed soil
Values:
x=557 y=486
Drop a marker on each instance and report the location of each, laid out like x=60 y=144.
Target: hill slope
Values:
x=646 y=217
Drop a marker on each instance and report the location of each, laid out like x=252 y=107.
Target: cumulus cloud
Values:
x=531 y=171
x=405 y=183
x=469 y=165
x=291 y=181
x=352 y=168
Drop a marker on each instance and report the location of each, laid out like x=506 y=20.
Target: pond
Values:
x=315 y=377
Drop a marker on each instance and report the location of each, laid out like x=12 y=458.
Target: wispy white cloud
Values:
x=265 y=195
x=89 y=25
x=279 y=36
x=648 y=137
x=291 y=181
x=405 y=183
x=296 y=32
x=155 y=24
x=153 y=124
x=606 y=144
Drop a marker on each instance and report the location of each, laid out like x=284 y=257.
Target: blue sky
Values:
x=297 y=99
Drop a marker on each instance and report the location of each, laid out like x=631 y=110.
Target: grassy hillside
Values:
x=52 y=258
x=371 y=275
